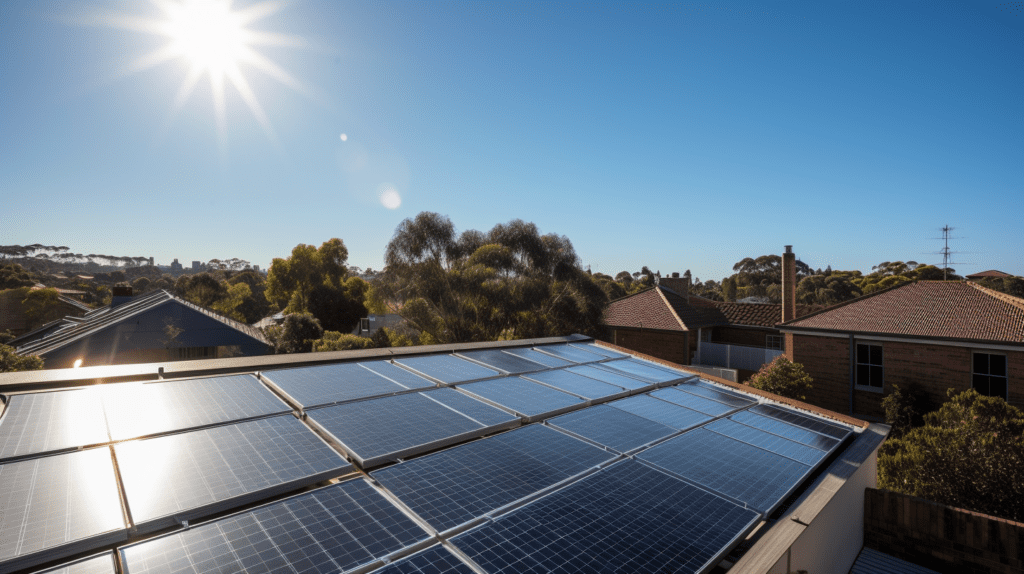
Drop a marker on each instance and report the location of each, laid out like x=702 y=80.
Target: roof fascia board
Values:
x=664 y=300
x=913 y=340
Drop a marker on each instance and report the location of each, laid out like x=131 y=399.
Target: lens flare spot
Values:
x=344 y=137
x=389 y=198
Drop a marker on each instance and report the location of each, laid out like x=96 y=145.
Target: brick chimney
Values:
x=788 y=284
x=680 y=285
x=121 y=294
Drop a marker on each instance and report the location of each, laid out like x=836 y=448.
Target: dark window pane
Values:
x=981 y=384
x=876 y=377
x=862 y=353
x=997 y=365
x=876 y=354
x=863 y=375
x=997 y=387
x=981 y=363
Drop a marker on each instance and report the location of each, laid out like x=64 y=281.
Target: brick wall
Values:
x=674 y=346
x=827 y=361
x=941 y=537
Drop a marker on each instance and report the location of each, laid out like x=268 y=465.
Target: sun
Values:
x=216 y=42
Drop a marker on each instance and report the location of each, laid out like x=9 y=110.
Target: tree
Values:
x=42 y=305
x=826 y=289
x=298 y=332
x=969 y=454
x=782 y=377
x=335 y=341
x=729 y=289
x=10 y=361
x=234 y=297
x=905 y=409
x=203 y=289
x=13 y=276
x=753 y=276
x=291 y=281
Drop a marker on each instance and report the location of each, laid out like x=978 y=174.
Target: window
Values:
x=705 y=335
x=364 y=324
x=869 y=366
x=774 y=342
x=989 y=375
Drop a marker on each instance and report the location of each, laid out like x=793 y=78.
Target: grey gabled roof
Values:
x=75 y=328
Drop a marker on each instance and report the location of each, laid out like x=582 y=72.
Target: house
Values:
x=156 y=326
x=556 y=454
x=370 y=324
x=13 y=316
x=990 y=274
x=937 y=335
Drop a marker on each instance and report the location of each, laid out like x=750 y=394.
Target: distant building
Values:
x=373 y=323
x=256 y=268
x=990 y=274
x=176 y=267
x=197 y=266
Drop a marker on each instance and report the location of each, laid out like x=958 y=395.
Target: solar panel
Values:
x=720 y=388
x=182 y=476
x=579 y=385
x=479 y=411
x=102 y=564
x=447 y=368
x=494 y=358
x=574 y=354
x=613 y=428
x=783 y=429
x=645 y=371
x=328 y=530
x=603 y=351
x=716 y=395
x=404 y=377
x=772 y=443
x=538 y=357
x=47 y=422
x=458 y=485
x=56 y=506
x=811 y=423
x=746 y=473
x=706 y=406
x=330 y=384
x=380 y=430
x=530 y=400
x=657 y=410
x=626 y=518
x=611 y=377
x=135 y=410
x=434 y=560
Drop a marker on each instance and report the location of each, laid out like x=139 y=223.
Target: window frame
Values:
x=768 y=340
x=1005 y=376
x=881 y=366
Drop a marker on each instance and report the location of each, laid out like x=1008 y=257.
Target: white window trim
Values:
x=1007 y=377
x=868 y=388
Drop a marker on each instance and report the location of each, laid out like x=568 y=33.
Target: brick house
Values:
x=935 y=334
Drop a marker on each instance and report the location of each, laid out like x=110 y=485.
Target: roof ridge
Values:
x=1004 y=297
x=671 y=308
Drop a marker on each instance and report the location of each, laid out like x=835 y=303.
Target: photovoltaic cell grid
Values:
x=136 y=410
x=706 y=406
x=102 y=564
x=817 y=425
x=329 y=384
x=626 y=518
x=645 y=371
x=611 y=377
x=613 y=428
x=503 y=361
x=460 y=484
x=190 y=474
x=329 y=530
x=715 y=395
x=746 y=473
x=772 y=443
x=527 y=398
x=46 y=422
x=570 y=353
x=577 y=384
x=720 y=388
x=49 y=505
x=604 y=351
x=399 y=375
x=538 y=357
x=378 y=430
x=786 y=430
x=434 y=560
x=447 y=368
x=663 y=412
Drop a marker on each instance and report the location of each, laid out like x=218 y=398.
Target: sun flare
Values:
x=215 y=41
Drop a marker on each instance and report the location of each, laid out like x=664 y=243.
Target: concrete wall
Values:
x=675 y=346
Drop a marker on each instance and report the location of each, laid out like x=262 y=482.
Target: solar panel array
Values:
x=707 y=463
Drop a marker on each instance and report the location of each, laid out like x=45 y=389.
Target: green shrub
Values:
x=905 y=408
x=335 y=341
x=782 y=377
x=10 y=361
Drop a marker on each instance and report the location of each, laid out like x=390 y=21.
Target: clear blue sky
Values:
x=678 y=136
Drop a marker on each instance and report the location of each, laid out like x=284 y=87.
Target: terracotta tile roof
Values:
x=662 y=308
x=989 y=273
x=647 y=309
x=938 y=309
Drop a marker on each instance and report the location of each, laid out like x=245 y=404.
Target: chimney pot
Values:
x=675 y=274
x=789 y=249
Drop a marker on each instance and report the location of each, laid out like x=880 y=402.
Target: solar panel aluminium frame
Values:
x=244 y=499
x=525 y=417
x=379 y=562
x=298 y=407
x=397 y=456
x=111 y=559
x=629 y=453
x=590 y=402
x=395 y=360
x=465 y=356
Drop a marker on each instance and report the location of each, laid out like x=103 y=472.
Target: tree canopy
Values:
x=10 y=361
x=317 y=281
x=782 y=377
x=511 y=282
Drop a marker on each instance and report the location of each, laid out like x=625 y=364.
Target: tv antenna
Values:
x=946 y=253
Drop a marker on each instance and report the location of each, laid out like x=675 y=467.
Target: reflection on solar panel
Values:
x=399 y=375
x=434 y=560
x=574 y=354
x=329 y=384
x=746 y=473
x=611 y=377
x=378 y=430
x=657 y=410
x=447 y=368
x=706 y=406
x=503 y=361
x=102 y=564
x=645 y=371
x=772 y=443
x=715 y=395
x=135 y=410
x=455 y=486
x=479 y=411
x=538 y=357
x=579 y=385
x=47 y=422
x=603 y=351
x=178 y=477
x=777 y=427
x=56 y=506
x=720 y=388
x=529 y=399
x=332 y=529
x=626 y=518
x=815 y=424
x=613 y=428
